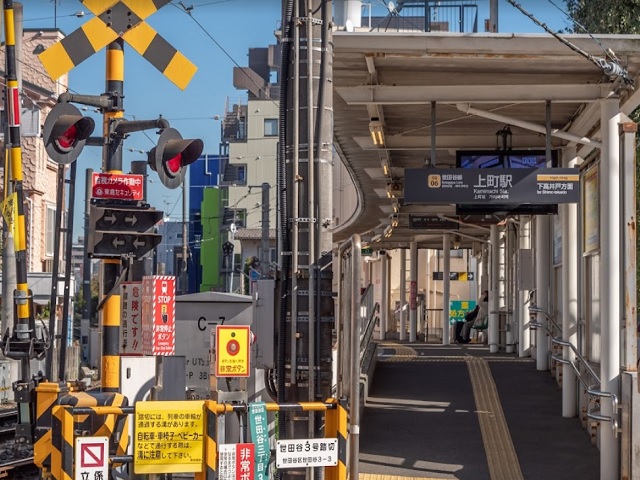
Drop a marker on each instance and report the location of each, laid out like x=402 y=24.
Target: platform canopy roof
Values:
x=466 y=88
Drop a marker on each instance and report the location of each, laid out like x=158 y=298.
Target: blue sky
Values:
x=236 y=26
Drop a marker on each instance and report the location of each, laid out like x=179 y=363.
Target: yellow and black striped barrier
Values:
x=53 y=438
x=81 y=409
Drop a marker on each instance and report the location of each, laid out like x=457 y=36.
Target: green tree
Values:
x=605 y=16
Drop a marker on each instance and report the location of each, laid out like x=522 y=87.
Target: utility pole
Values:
x=85 y=323
x=265 y=260
x=184 y=280
x=306 y=107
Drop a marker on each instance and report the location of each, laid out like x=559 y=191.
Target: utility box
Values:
x=138 y=377
x=197 y=315
x=263 y=326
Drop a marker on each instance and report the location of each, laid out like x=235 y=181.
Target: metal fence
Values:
x=460 y=16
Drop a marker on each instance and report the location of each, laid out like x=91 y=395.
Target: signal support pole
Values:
x=112 y=163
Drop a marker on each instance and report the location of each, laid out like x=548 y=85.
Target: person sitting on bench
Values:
x=480 y=318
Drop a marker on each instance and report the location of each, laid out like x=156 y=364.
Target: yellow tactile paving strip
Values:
x=501 y=454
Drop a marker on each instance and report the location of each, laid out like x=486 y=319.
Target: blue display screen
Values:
x=505 y=159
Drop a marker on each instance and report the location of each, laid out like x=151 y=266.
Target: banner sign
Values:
x=491 y=185
x=260 y=437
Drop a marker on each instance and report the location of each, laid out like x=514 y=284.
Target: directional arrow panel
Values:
x=115 y=231
x=117 y=244
x=125 y=219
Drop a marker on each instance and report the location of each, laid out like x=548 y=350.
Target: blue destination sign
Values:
x=487 y=186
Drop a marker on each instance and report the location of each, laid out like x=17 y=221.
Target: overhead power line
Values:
x=611 y=68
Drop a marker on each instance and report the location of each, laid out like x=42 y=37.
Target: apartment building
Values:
x=249 y=144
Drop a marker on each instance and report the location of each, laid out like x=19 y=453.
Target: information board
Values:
x=168 y=437
x=236 y=461
x=489 y=186
x=458 y=309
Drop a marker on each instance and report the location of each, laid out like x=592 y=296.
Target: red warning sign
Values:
x=158 y=315
x=92 y=455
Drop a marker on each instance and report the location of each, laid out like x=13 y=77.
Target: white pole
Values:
x=493 y=297
x=413 y=292
x=502 y=277
x=524 y=338
x=610 y=273
x=403 y=293
x=384 y=303
x=569 y=293
x=446 y=287
x=543 y=260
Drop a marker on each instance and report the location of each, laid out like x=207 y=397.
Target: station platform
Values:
x=459 y=412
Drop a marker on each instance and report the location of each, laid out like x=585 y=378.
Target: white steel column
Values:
x=494 y=290
x=384 y=300
x=403 y=293
x=543 y=262
x=569 y=293
x=413 y=292
x=502 y=277
x=610 y=273
x=446 y=286
x=524 y=337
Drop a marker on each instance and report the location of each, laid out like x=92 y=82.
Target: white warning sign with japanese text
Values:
x=312 y=452
x=91 y=458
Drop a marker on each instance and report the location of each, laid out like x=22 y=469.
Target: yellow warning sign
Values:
x=169 y=437
x=232 y=351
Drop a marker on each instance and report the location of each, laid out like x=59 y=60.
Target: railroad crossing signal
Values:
x=119 y=19
x=172 y=155
x=115 y=231
x=65 y=132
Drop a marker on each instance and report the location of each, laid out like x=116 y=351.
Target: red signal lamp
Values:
x=170 y=157
x=65 y=132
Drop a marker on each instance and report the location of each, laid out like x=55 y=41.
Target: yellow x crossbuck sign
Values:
x=114 y=19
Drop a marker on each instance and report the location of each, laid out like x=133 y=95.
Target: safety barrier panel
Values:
x=65 y=418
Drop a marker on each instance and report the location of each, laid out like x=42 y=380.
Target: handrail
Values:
x=592 y=389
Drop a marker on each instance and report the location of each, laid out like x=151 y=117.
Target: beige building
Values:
x=39 y=94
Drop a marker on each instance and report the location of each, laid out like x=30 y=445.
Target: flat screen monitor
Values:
x=506 y=159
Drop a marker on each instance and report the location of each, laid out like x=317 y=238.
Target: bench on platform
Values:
x=479 y=328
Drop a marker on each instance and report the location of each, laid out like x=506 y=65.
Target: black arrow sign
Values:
x=124 y=219
x=116 y=244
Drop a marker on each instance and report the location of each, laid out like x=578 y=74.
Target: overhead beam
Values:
x=447 y=142
x=423 y=94
x=526 y=125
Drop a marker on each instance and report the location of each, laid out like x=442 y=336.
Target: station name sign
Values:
x=487 y=186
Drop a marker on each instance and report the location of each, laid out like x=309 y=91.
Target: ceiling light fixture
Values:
x=377 y=132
